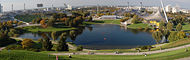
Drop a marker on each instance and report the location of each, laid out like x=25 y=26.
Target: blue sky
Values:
x=18 y=4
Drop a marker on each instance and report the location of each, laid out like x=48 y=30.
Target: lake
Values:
x=104 y=36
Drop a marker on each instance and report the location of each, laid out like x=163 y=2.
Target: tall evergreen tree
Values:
x=135 y=19
x=53 y=35
x=46 y=44
x=62 y=45
x=173 y=37
x=179 y=27
x=170 y=26
x=157 y=35
x=162 y=25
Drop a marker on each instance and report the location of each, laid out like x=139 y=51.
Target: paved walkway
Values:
x=141 y=53
x=186 y=58
x=1 y=48
x=25 y=25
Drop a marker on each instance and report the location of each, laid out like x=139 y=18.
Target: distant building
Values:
x=168 y=8
x=175 y=9
x=108 y=17
x=69 y=7
x=184 y=11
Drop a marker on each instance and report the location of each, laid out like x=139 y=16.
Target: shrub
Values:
x=15 y=35
x=79 y=48
x=27 y=43
x=34 y=50
x=4 y=42
x=145 y=47
x=14 y=47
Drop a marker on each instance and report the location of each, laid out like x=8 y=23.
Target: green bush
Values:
x=79 y=48
x=145 y=47
x=4 y=42
x=14 y=47
x=34 y=50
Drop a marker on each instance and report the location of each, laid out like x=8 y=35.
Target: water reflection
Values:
x=102 y=36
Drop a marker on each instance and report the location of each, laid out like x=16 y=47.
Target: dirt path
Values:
x=141 y=53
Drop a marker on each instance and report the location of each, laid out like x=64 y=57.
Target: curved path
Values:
x=25 y=25
x=1 y=48
x=141 y=53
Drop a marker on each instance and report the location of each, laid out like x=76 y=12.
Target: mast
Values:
x=24 y=6
x=164 y=11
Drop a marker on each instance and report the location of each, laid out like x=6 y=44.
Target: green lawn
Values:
x=104 y=22
x=24 y=55
x=177 y=43
x=49 y=29
x=111 y=21
x=27 y=55
x=174 y=44
x=186 y=26
x=139 y=25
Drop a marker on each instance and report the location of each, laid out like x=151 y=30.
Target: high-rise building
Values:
x=168 y=8
x=175 y=9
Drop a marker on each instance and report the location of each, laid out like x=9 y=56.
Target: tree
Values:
x=46 y=44
x=38 y=20
x=125 y=19
x=157 y=35
x=169 y=26
x=15 y=22
x=50 y=22
x=173 y=37
x=161 y=25
x=90 y=18
x=73 y=35
x=53 y=35
x=181 y=35
x=42 y=22
x=135 y=19
x=79 y=48
x=27 y=43
x=19 y=23
x=62 y=44
x=179 y=27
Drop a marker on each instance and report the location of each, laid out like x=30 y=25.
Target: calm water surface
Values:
x=106 y=36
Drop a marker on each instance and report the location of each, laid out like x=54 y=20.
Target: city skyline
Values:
x=19 y=4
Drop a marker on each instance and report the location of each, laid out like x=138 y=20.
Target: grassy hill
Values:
x=27 y=55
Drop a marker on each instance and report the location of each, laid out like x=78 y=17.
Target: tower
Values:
x=24 y=6
x=12 y=7
x=97 y=9
x=1 y=8
x=164 y=11
x=141 y=4
x=128 y=5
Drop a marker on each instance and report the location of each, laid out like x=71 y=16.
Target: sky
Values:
x=30 y=4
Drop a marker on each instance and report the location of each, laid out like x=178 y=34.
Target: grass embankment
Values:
x=104 y=22
x=186 y=27
x=27 y=55
x=24 y=55
x=48 y=29
x=139 y=25
x=174 y=44
x=164 y=46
